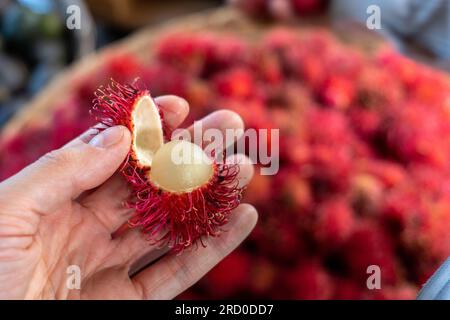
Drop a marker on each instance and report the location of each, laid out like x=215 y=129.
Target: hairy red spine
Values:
x=178 y=220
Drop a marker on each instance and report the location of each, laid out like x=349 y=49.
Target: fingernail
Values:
x=107 y=138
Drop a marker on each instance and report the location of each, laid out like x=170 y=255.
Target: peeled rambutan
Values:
x=237 y=83
x=337 y=92
x=370 y=244
x=306 y=7
x=178 y=192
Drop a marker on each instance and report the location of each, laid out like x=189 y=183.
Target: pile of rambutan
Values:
x=364 y=173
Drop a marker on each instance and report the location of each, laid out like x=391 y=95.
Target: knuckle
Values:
x=56 y=157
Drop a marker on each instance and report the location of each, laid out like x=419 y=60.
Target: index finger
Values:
x=174 y=110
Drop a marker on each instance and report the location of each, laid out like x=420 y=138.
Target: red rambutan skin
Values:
x=399 y=117
x=402 y=292
x=335 y=222
x=230 y=276
x=412 y=127
x=310 y=281
x=337 y=92
x=369 y=245
x=236 y=83
x=346 y=289
x=305 y=7
x=176 y=219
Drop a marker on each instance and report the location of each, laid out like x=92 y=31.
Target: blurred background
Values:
x=359 y=92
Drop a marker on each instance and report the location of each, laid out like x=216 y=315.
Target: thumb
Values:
x=63 y=174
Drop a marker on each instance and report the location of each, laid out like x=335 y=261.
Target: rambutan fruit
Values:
x=389 y=173
x=400 y=292
x=337 y=92
x=366 y=122
x=263 y=276
x=404 y=68
x=284 y=247
x=187 y=52
x=310 y=281
x=258 y=190
x=366 y=194
x=236 y=83
x=293 y=190
x=369 y=244
x=268 y=65
x=179 y=193
x=334 y=223
x=280 y=39
x=254 y=8
x=231 y=275
x=418 y=135
x=402 y=208
x=307 y=7
x=166 y=79
x=373 y=94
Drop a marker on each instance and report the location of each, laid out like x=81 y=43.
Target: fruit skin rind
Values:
x=114 y=105
x=183 y=218
x=178 y=220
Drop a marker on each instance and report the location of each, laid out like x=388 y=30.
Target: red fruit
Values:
x=404 y=69
x=230 y=276
x=428 y=235
x=255 y=8
x=366 y=122
x=186 y=51
x=166 y=79
x=293 y=190
x=418 y=135
x=259 y=189
x=389 y=173
x=268 y=66
x=175 y=203
x=309 y=281
x=402 y=207
x=366 y=194
x=123 y=67
x=346 y=289
x=373 y=93
x=263 y=277
x=403 y=292
x=431 y=88
x=227 y=53
x=19 y=151
x=280 y=241
x=334 y=223
x=364 y=156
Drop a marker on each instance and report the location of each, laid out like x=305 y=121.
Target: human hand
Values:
x=61 y=211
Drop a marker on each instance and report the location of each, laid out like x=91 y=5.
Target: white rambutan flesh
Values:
x=147 y=130
x=180 y=166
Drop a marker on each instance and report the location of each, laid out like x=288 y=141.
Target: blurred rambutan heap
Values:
x=364 y=153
